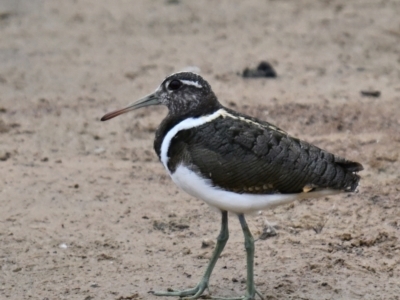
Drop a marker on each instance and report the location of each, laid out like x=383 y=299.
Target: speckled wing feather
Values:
x=245 y=156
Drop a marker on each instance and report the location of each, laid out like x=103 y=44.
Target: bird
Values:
x=235 y=163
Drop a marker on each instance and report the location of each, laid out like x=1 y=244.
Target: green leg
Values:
x=249 y=246
x=251 y=290
x=197 y=291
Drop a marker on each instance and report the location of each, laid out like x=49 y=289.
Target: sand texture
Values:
x=88 y=212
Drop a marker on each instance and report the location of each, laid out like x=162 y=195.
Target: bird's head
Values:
x=183 y=93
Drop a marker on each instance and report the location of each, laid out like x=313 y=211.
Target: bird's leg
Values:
x=249 y=246
x=198 y=290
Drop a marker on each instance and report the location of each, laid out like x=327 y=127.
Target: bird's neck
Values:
x=174 y=117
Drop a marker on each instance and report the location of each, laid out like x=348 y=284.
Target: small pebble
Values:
x=207 y=243
x=186 y=251
x=4 y=156
x=268 y=231
x=99 y=150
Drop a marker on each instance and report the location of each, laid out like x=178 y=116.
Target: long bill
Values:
x=151 y=99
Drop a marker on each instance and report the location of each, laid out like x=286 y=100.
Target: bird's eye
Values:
x=174 y=85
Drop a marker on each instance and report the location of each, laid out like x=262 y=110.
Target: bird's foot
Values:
x=193 y=293
x=198 y=291
x=248 y=296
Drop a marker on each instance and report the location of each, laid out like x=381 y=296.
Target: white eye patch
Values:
x=192 y=83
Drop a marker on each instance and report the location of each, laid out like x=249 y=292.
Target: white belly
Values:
x=202 y=189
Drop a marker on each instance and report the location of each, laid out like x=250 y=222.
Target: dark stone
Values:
x=373 y=94
x=264 y=69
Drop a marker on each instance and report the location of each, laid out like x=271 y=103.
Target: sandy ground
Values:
x=88 y=212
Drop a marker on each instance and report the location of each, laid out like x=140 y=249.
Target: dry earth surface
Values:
x=88 y=212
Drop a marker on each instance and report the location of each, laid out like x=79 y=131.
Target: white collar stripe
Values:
x=185 y=124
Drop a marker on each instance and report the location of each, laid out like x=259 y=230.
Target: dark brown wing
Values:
x=241 y=156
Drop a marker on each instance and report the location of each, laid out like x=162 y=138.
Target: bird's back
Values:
x=245 y=155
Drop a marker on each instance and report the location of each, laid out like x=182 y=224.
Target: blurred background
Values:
x=88 y=212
